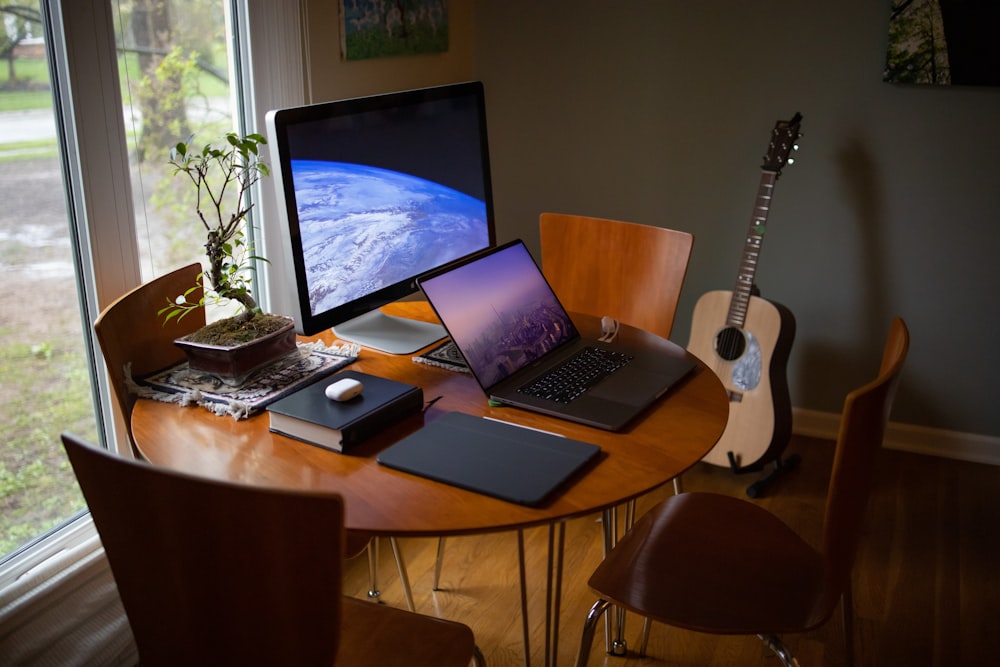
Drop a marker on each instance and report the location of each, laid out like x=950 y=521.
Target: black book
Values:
x=310 y=416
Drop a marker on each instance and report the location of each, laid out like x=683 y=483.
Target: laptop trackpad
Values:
x=632 y=386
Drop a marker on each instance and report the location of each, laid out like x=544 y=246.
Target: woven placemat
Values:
x=179 y=384
x=445 y=355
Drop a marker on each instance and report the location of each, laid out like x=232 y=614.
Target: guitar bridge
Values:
x=735 y=396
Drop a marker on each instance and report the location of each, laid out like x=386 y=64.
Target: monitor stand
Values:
x=389 y=333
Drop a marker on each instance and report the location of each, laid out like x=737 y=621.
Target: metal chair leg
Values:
x=647 y=623
x=404 y=578
x=437 y=565
x=478 y=659
x=589 y=626
x=610 y=521
x=373 y=590
x=372 y=549
x=779 y=649
x=614 y=624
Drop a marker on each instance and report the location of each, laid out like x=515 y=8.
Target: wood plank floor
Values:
x=926 y=584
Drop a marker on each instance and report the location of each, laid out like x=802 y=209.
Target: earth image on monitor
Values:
x=363 y=228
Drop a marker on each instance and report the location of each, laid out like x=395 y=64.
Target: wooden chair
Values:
x=217 y=573
x=130 y=332
x=719 y=564
x=132 y=336
x=625 y=270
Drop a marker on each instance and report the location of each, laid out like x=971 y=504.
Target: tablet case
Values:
x=515 y=463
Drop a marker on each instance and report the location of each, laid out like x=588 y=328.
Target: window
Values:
x=70 y=242
x=55 y=588
x=175 y=70
x=173 y=65
x=44 y=361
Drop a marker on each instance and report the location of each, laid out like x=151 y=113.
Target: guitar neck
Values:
x=782 y=143
x=751 y=251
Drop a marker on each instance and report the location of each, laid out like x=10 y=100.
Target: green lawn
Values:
x=32 y=90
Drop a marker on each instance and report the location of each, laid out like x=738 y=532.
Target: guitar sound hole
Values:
x=730 y=343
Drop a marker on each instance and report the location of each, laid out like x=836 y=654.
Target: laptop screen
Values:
x=500 y=311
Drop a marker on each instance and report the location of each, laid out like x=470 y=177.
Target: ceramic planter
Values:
x=234 y=364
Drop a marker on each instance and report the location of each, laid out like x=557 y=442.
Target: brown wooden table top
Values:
x=671 y=436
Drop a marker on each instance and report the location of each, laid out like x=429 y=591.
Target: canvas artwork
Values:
x=385 y=28
x=944 y=42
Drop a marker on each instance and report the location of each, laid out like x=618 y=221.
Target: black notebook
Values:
x=518 y=464
x=310 y=416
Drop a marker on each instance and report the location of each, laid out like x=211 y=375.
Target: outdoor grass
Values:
x=25 y=100
x=46 y=391
x=46 y=386
x=32 y=88
x=21 y=150
x=35 y=70
x=38 y=95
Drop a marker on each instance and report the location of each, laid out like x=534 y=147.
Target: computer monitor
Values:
x=373 y=192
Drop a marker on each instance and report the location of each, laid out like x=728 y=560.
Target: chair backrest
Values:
x=862 y=428
x=625 y=270
x=217 y=573
x=129 y=330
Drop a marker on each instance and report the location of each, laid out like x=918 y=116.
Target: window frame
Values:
x=84 y=109
x=89 y=115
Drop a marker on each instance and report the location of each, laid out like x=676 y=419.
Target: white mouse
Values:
x=344 y=390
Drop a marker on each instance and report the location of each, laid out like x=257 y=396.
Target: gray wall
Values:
x=659 y=112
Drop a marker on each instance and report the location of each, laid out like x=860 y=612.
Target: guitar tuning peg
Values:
x=791 y=160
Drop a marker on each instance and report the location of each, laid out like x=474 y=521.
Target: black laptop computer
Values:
x=515 y=335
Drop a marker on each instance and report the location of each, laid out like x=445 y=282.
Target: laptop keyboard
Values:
x=576 y=375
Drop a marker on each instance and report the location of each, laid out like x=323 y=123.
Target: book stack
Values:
x=308 y=415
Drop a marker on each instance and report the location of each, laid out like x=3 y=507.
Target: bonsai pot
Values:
x=233 y=364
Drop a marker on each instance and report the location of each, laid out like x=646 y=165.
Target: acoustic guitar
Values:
x=747 y=339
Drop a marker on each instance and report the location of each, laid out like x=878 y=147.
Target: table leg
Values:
x=524 y=598
x=553 y=593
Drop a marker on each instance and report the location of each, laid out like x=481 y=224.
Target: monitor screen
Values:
x=374 y=192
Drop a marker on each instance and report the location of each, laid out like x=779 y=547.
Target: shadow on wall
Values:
x=841 y=367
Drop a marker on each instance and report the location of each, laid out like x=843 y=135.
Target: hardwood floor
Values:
x=926 y=582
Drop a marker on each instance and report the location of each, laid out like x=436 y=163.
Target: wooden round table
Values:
x=670 y=437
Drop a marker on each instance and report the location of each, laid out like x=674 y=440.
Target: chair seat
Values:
x=677 y=563
x=375 y=634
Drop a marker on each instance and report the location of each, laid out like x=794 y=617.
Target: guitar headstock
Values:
x=783 y=138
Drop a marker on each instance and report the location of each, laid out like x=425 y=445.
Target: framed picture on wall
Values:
x=944 y=42
x=385 y=28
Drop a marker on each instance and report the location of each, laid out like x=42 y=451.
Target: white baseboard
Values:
x=907 y=437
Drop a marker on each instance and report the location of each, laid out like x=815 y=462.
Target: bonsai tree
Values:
x=222 y=176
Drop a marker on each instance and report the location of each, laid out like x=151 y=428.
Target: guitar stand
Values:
x=781 y=466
